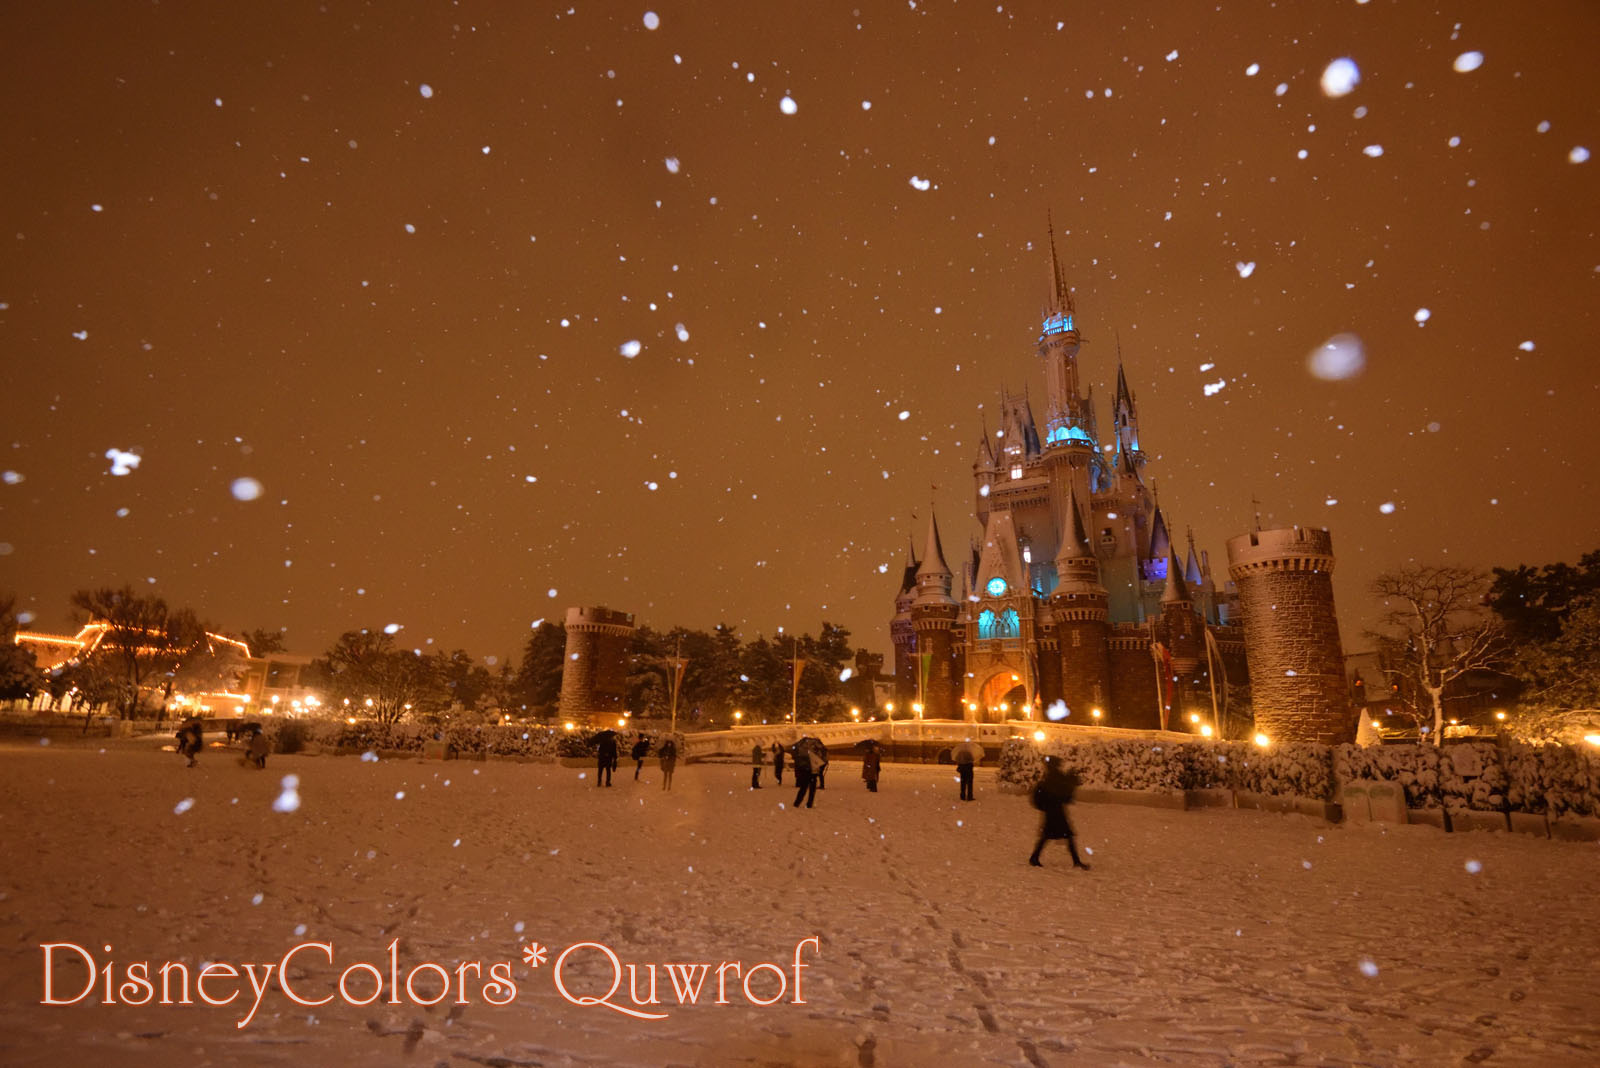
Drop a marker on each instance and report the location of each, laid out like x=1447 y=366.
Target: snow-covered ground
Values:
x=1200 y=938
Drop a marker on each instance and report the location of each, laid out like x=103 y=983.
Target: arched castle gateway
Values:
x=1078 y=598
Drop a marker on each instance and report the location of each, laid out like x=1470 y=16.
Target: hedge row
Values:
x=292 y=735
x=1555 y=780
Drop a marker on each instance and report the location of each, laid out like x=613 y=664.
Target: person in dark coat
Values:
x=777 y=762
x=191 y=738
x=640 y=750
x=871 y=765
x=668 y=754
x=255 y=753
x=808 y=765
x=605 y=759
x=966 y=765
x=1051 y=797
x=758 y=757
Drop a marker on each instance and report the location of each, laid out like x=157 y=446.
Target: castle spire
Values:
x=933 y=576
x=1176 y=591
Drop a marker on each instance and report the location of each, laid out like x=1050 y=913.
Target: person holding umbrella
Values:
x=967 y=755
x=1051 y=797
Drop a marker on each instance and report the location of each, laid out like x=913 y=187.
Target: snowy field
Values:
x=1200 y=938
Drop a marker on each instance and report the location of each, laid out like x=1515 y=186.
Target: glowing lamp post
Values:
x=1262 y=740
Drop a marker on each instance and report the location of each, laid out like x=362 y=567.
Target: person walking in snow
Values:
x=605 y=758
x=1051 y=797
x=640 y=750
x=668 y=754
x=777 y=762
x=808 y=765
x=871 y=765
x=255 y=754
x=758 y=757
x=190 y=739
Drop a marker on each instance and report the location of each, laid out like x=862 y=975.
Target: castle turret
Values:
x=903 y=633
x=1080 y=608
x=1181 y=630
x=1291 y=635
x=594 y=676
x=933 y=617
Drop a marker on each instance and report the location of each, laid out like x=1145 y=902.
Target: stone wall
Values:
x=594 y=677
x=1291 y=634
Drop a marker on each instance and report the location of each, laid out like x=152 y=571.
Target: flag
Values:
x=924 y=670
x=799 y=666
x=1163 y=657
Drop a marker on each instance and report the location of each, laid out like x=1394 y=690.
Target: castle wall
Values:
x=1133 y=680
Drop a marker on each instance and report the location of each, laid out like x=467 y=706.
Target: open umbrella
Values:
x=599 y=736
x=867 y=743
x=969 y=748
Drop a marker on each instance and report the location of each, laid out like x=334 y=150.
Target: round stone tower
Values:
x=1291 y=634
x=594 y=677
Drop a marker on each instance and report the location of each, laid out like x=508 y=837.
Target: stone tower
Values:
x=1081 y=624
x=904 y=635
x=1291 y=635
x=933 y=614
x=594 y=677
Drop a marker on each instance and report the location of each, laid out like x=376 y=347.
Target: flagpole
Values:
x=1211 y=677
x=1155 y=654
x=677 y=680
x=794 y=682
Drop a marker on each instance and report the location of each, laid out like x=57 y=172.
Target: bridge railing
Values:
x=897 y=735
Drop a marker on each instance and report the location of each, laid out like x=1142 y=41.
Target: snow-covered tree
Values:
x=1437 y=631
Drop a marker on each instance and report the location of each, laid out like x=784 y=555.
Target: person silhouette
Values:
x=1051 y=797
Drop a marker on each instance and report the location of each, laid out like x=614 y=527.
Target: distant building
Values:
x=1078 y=603
x=232 y=683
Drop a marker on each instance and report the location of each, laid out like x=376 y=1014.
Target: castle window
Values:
x=1004 y=625
x=1016 y=470
x=1106 y=537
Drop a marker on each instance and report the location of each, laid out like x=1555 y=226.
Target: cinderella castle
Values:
x=1079 y=603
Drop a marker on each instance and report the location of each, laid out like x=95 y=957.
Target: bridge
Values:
x=925 y=741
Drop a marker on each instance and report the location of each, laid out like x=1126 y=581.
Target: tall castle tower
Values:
x=1285 y=580
x=594 y=678
x=933 y=614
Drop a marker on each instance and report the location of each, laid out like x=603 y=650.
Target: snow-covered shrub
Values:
x=1021 y=766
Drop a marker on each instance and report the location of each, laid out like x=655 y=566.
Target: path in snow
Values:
x=1200 y=938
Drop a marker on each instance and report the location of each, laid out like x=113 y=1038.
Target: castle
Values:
x=1078 y=605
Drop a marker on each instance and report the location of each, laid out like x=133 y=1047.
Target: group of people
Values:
x=810 y=758
x=192 y=738
x=606 y=758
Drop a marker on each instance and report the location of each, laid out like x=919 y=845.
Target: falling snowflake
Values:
x=788 y=106
x=651 y=21
x=426 y=90
x=1341 y=356
x=122 y=462
x=630 y=349
x=245 y=489
x=1468 y=61
x=921 y=184
x=1245 y=269
x=1340 y=77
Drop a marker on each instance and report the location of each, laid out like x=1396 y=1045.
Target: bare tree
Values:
x=1437 y=632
